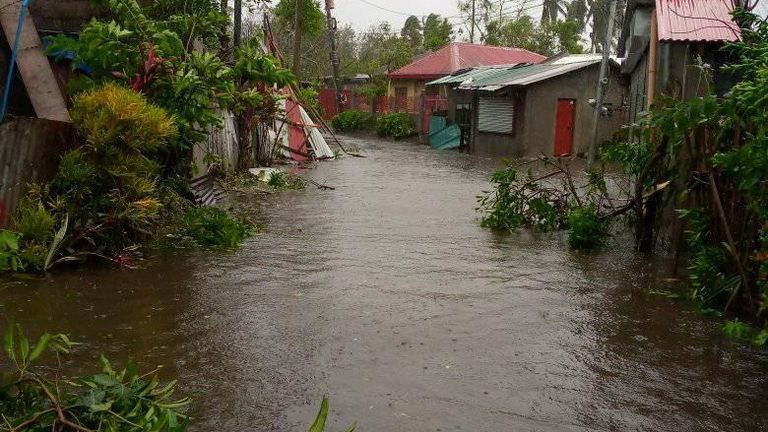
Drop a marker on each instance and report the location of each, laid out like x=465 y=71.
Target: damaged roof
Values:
x=458 y=56
x=492 y=79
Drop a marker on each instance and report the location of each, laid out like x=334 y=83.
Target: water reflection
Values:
x=386 y=295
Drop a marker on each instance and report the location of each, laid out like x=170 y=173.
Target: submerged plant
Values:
x=34 y=399
x=214 y=227
x=322 y=418
x=351 y=121
x=586 y=229
x=395 y=125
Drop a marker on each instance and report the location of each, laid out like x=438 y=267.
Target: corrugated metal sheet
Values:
x=457 y=56
x=221 y=146
x=696 y=21
x=462 y=76
x=30 y=150
x=496 y=115
x=519 y=76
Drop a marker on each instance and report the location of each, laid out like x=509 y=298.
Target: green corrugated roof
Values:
x=495 y=78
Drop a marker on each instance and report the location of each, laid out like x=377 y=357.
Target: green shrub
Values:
x=214 y=227
x=9 y=252
x=587 y=231
x=351 y=121
x=396 y=125
x=33 y=222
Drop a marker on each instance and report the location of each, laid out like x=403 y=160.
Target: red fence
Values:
x=421 y=106
x=379 y=105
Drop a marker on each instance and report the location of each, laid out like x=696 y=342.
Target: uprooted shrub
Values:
x=395 y=125
x=549 y=202
x=36 y=398
x=351 y=121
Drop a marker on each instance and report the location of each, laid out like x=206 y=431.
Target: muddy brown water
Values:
x=387 y=296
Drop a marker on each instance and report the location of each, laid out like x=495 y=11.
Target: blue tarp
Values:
x=443 y=136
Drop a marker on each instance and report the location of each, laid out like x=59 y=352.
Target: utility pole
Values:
x=238 y=30
x=472 y=30
x=297 y=24
x=601 y=85
x=331 y=22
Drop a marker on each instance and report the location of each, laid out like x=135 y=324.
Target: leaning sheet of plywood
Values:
x=34 y=68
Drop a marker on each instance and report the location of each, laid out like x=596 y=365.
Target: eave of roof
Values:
x=519 y=76
x=696 y=21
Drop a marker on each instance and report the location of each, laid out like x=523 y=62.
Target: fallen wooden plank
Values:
x=33 y=65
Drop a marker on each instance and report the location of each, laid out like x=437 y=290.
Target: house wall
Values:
x=678 y=75
x=580 y=85
x=496 y=144
x=415 y=87
x=536 y=111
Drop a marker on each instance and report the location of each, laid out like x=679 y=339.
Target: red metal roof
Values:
x=457 y=56
x=696 y=21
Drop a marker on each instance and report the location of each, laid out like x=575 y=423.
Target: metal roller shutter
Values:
x=496 y=115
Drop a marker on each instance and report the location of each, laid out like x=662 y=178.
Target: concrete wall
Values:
x=581 y=85
x=536 y=111
x=30 y=150
x=495 y=144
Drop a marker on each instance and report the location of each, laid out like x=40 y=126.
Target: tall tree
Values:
x=412 y=32
x=438 y=32
x=310 y=22
x=477 y=13
x=547 y=39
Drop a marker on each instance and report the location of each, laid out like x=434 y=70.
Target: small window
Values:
x=496 y=115
x=401 y=92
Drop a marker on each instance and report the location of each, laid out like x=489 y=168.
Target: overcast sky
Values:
x=364 y=13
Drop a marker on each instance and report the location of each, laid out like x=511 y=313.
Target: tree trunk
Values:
x=297 y=25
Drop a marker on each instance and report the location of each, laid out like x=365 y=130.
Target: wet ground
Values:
x=387 y=296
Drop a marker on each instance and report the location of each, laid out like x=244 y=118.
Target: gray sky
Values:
x=362 y=14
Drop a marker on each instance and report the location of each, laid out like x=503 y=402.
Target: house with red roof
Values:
x=409 y=81
x=672 y=48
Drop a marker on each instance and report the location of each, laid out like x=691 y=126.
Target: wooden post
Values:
x=652 y=60
x=238 y=23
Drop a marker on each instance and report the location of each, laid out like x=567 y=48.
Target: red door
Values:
x=566 y=117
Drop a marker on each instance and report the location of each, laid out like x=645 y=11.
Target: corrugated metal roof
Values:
x=457 y=56
x=462 y=75
x=574 y=58
x=696 y=21
x=495 y=79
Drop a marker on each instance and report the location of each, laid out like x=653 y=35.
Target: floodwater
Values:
x=387 y=296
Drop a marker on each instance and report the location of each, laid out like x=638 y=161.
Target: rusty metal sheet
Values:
x=30 y=150
x=696 y=21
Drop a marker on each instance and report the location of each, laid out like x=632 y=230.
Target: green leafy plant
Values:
x=34 y=399
x=395 y=125
x=351 y=121
x=322 y=418
x=586 y=230
x=9 y=252
x=214 y=227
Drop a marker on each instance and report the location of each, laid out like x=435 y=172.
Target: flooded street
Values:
x=388 y=296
